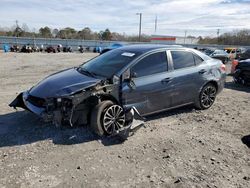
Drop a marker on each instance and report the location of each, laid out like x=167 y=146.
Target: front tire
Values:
x=207 y=96
x=107 y=118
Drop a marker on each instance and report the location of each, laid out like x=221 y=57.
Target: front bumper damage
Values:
x=58 y=112
x=22 y=101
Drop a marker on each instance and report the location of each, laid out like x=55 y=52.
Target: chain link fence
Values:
x=74 y=43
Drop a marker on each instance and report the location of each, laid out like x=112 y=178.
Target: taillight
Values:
x=234 y=64
x=223 y=68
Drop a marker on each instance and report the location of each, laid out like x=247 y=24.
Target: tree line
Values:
x=70 y=33
x=241 y=37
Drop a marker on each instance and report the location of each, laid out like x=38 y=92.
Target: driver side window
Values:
x=151 y=64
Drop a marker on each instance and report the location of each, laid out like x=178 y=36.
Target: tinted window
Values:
x=198 y=60
x=152 y=64
x=182 y=59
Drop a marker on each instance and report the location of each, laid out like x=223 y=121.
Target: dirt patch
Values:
x=179 y=148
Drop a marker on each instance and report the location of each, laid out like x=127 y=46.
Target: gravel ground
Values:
x=178 y=148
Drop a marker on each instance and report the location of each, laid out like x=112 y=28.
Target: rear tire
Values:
x=207 y=97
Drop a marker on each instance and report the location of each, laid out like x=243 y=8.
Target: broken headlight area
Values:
x=39 y=102
x=58 y=110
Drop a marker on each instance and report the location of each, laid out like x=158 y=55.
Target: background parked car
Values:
x=26 y=49
x=97 y=49
x=59 y=48
x=35 y=48
x=244 y=55
x=67 y=49
x=81 y=49
x=233 y=52
x=15 y=48
x=113 y=46
x=219 y=54
x=242 y=72
x=50 y=49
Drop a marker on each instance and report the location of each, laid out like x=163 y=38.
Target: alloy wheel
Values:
x=113 y=119
x=208 y=96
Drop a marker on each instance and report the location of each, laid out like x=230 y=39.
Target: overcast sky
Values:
x=198 y=17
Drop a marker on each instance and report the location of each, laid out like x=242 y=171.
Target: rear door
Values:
x=152 y=90
x=188 y=76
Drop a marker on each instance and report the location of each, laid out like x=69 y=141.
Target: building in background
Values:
x=163 y=39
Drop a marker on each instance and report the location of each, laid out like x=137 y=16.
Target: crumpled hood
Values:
x=62 y=84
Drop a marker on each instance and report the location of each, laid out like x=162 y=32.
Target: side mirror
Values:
x=131 y=84
x=128 y=78
x=133 y=75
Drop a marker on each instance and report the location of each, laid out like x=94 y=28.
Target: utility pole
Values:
x=185 y=36
x=17 y=28
x=218 y=34
x=156 y=23
x=140 y=14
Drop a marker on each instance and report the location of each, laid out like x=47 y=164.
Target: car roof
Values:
x=147 y=47
x=144 y=48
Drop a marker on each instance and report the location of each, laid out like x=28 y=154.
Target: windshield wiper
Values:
x=82 y=70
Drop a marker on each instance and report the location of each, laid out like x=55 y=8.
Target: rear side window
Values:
x=151 y=64
x=182 y=59
x=198 y=60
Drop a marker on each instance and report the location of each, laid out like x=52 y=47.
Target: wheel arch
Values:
x=105 y=97
x=210 y=82
x=214 y=83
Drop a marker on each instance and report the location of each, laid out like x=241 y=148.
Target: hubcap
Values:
x=113 y=119
x=208 y=96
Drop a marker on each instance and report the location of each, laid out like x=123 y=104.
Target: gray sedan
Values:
x=107 y=91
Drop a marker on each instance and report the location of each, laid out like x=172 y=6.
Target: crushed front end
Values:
x=56 y=110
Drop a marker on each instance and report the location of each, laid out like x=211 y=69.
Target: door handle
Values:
x=166 y=80
x=202 y=71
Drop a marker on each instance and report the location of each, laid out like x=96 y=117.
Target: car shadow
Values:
x=246 y=140
x=22 y=127
x=176 y=111
x=238 y=87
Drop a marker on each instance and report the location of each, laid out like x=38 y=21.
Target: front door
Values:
x=152 y=91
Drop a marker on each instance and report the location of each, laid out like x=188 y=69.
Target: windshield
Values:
x=220 y=52
x=208 y=51
x=106 y=65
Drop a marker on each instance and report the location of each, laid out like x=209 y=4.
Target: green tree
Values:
x=85 y=34
x=67 y=33
x=105 y=35
x=45 y=32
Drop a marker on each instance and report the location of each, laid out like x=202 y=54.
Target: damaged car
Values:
x=109 y=91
